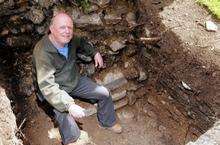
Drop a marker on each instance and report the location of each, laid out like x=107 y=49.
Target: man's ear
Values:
x=51 y=28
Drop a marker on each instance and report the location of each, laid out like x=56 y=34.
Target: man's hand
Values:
x=98 y=60
x=76 y=111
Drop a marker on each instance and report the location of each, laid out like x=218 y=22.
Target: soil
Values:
x=187 y=47
x=142 y=129
x=187 y=52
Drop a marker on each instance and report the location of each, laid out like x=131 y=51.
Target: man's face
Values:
x=62 y=29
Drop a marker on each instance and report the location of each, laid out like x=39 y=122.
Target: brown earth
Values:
x=161 y=120
x=168 y=114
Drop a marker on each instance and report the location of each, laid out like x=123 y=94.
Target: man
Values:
x=59 y=81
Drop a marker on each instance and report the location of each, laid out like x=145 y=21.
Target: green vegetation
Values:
x=213 y=6
x=84 y=4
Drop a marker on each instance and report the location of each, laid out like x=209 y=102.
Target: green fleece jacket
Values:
x=55 y=75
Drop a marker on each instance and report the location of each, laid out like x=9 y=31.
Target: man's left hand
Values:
x=98 y=60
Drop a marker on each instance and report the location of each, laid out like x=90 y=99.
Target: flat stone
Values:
x=35 y=15
x=119 y=95
x=93 y=109
x=211 y=26
x=116 y=84
x=117 y=45
x=85 y=20
x=112 y=18
x=131 y=19
x=113 y=79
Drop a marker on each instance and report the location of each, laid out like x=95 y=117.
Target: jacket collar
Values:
x=50 y=47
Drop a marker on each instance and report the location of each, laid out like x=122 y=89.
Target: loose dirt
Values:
x=187 y=52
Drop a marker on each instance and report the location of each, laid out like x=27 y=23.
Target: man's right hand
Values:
x=76 y=111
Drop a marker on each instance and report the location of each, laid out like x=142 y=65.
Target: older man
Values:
x=59 y=82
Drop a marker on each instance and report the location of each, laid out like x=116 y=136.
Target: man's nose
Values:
x=67 y=30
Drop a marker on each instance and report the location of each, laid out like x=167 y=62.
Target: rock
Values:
x=126 y=115
x=92 y=8
x=131 y=19
x=147 y=31
x=54 y=133
x=112 y=18
x=41 y=30
x=119 y=95
x=145 y=53
x=131 y=71
x=185 y=85
x=152 y=100
x=35 y=15
x=45 y=3
x=83 y=138
x=22 y=41
x=162 y=129
x=90 y=69
x=130 y=50
x=142 y=74
x=86 y=20
x=1 y=143
x=211 y=26
x=132 y=87
x=8 y=126
x=113 y=79
x=117 y=45
x=28 y=28
x=100 y=3
x=14 y=31
x=211 y=137
x=4 y=32
x=216 y=48
x=121 y=103
x=131 y=98
x=93 y=109
x=75 y=14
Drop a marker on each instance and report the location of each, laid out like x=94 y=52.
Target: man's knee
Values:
x=102 y=90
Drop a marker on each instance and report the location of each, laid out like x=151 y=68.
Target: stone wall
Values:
x=8 y=126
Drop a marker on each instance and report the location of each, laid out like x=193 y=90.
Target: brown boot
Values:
x=116 y=128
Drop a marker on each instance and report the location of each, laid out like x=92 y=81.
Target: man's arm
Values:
x=87 y=48
x=58 y=98
x=90 y=50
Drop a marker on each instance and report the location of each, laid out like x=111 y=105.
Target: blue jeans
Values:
x=89 y=90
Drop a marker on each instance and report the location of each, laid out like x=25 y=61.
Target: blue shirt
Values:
x=64 y=51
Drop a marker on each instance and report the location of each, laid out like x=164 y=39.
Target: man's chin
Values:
x=66 y=41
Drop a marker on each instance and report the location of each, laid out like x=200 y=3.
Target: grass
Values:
x=213 y=6
x=84 y=4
